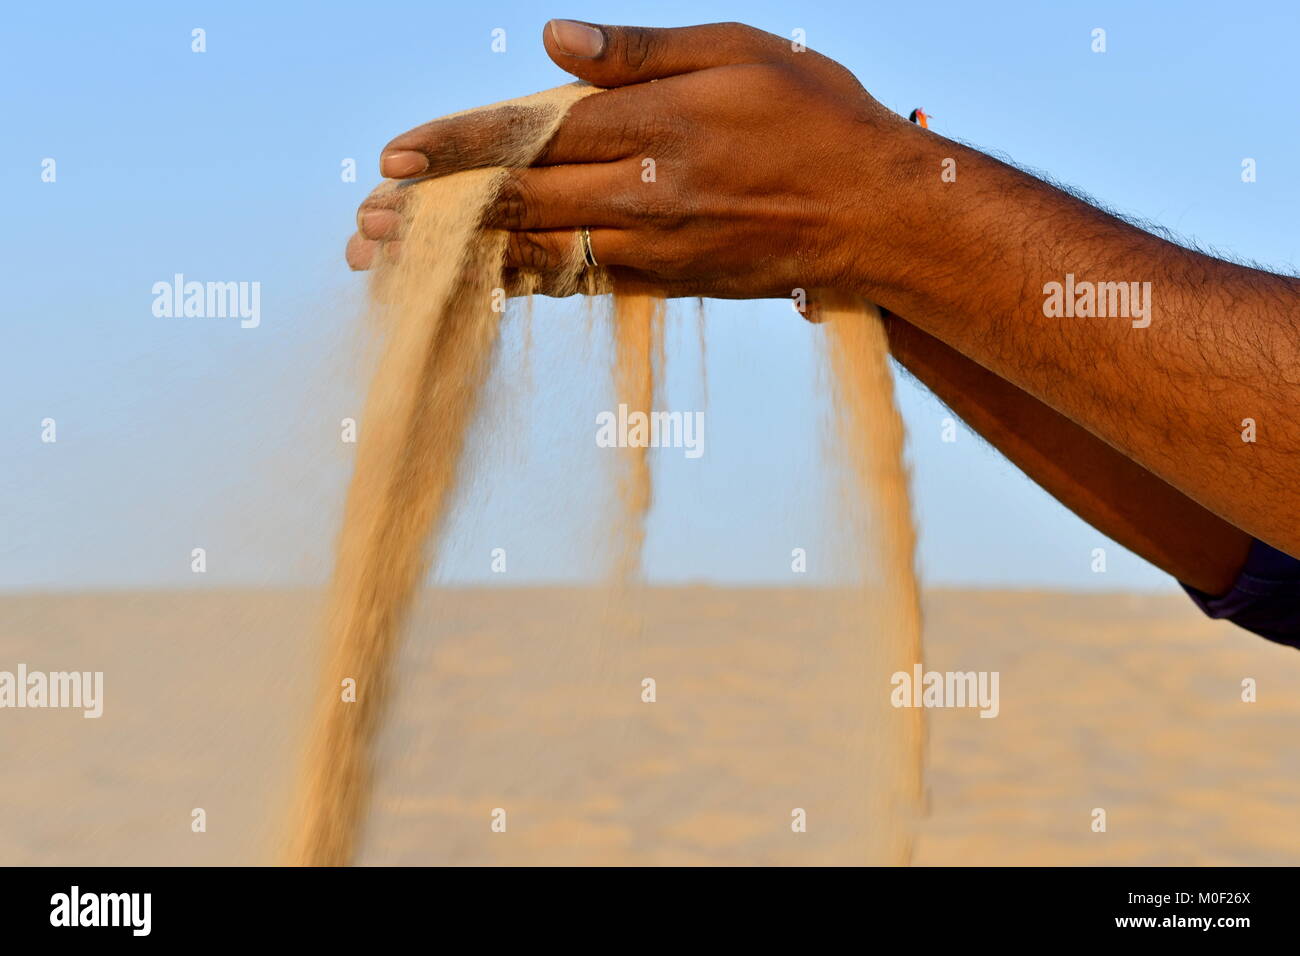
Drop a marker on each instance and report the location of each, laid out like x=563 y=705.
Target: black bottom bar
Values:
x=920 y=906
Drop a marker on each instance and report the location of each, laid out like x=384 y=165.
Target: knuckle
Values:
x=657 y=260
x=387 y=195
x=638 y=48
x=756 y=41
x=529 y=251
x=667 y=211
x=511 y=210
x=641 y=130
x=659 y=207
x=627 y=205
x=516 y=205
x=741 y=31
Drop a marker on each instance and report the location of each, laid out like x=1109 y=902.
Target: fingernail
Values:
x=378 y=223
x=578 y=39
x=401 y=163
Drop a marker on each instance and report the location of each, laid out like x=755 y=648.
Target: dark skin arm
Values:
x=1102 y=486
x=1222 y=346
x=777 y=171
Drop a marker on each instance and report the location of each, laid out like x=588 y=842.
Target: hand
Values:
x=719 y=162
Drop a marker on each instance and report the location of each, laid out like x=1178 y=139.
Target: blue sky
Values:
x=225 y=166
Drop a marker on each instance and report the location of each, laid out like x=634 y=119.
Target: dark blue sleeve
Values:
x=1265 y=598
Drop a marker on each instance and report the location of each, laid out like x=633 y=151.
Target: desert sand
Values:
x=512 y=699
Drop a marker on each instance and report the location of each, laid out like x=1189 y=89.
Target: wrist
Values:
x=886 y=220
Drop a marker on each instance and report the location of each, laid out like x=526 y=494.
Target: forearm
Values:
x=1103 y=487
x=1222 y=346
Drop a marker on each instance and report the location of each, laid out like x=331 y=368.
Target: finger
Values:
x=617 y=56
x=626 y=55
x=361 y=252
x=489 y=137
x=385 y=197
x=558 y=249
x=556 y=197
x=380 y=223
x=595 y=130
x=615 y=125
x=551 y=197
x=542 y=251
x=469 y=141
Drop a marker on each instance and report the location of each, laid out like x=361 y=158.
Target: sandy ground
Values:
x=518 y=699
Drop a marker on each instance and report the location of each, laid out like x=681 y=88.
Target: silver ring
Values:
x=584 y=237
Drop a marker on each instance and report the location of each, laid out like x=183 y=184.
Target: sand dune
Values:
x=512 y=699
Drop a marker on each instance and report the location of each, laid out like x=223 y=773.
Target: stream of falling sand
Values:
x=434 y=307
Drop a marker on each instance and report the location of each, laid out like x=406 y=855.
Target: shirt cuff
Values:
x=1265 y=599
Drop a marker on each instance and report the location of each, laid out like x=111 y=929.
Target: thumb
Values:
x=618 y=56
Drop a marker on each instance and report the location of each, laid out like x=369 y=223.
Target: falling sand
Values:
x=438 y=308
x=876 y=487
